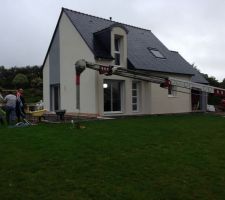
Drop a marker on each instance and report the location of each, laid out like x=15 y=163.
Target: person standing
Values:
x=1 y=97
x=10 y=107
x=20 y=104
x=1 y=111
x=1 y=119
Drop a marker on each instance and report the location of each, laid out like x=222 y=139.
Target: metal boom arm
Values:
x=164 y=81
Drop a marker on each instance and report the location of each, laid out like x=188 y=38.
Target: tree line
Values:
x=29 y=78
x=214 y=82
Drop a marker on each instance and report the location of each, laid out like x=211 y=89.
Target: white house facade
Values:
x=80 y=36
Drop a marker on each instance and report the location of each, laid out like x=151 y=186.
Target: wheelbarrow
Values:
x=38 y=114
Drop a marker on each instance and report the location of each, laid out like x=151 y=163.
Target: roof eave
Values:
x=166 y=72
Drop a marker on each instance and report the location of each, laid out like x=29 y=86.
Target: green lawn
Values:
x=156 y=157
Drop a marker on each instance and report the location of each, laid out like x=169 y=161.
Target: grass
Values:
x=156 y=157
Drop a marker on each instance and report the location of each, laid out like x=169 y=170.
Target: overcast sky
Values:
x=194 y=28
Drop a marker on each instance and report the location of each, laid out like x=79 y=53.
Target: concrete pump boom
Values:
x=164 y=81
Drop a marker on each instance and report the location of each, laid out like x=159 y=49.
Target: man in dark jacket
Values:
x=1 y=111
x=20 y=104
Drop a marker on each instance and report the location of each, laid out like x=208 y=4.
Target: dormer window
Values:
x=117 y=49
x=119 y=45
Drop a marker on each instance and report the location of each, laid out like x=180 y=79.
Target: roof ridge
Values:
x=106 y=19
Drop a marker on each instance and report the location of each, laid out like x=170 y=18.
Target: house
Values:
x=81 y=36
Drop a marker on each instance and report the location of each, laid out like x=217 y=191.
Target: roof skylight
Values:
x=156 y=53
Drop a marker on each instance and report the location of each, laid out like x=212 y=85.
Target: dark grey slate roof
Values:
x=198 y=78
x=139 y=40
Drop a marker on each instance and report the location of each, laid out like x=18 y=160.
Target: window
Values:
x=156 y=53
x=112 y=95
x=54 y=97
x=117 y=43
x=172 y=91
x=117 y=49
x=135 y=96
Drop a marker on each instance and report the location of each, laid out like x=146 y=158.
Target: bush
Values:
x=36 y=82
x=20 y=80
x=33 y=95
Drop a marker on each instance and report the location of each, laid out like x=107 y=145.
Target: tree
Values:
x=212 y=80
x=36 y=82
x=222 y=84
x=20 y=80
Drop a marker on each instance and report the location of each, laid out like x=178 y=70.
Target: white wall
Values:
x=73 y=48
x=46 y=86
x=153 y=98
x=162 y=103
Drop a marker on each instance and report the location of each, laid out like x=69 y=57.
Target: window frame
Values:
x=121 y=85
x=153 y=52
x=137 y=96
x=55 y=97
x=172 y=91
x=117 y=51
